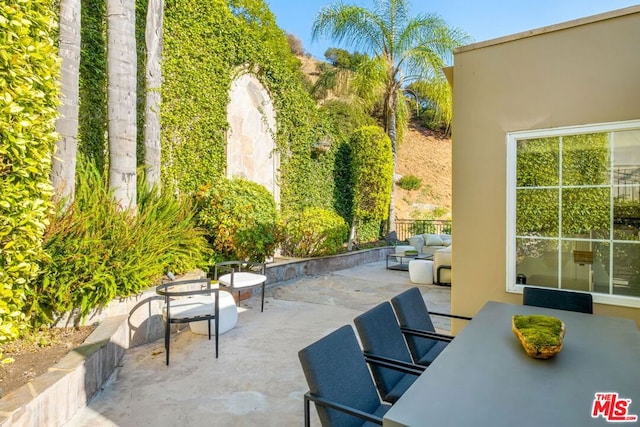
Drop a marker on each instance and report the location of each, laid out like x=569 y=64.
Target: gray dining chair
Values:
x=424 y=343
x=382 y=340
x=559 y=299
x=340 y=384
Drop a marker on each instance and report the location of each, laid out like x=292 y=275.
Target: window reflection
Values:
x=577 y=205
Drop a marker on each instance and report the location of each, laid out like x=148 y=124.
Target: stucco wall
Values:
x=250 y=139
x=584 y=71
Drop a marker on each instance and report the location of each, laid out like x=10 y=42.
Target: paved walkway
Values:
x=257 y=379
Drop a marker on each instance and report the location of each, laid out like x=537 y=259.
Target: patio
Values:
x=257 y=379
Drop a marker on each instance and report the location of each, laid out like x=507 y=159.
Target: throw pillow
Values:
x=432 y=240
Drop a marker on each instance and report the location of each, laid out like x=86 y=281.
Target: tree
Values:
x=153 y=38
x=121 y=99
x=434 y=97
x=402 y=49
x=344 y=59
x=372 y=167
x=295 y=44
x=63 y=172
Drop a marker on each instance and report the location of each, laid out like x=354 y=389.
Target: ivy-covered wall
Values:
x=206 y=45
x=92 y=122
x=28 y=110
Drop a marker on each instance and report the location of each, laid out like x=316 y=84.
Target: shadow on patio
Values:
x=257 y=379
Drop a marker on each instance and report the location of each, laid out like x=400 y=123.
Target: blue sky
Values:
x=482 y=20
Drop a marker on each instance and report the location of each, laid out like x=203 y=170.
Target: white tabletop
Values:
x=484 y=377
x=242 y=279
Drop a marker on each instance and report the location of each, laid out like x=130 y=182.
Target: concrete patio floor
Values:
x=257 y=379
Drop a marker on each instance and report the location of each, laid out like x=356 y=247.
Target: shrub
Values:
x=369 y=230
x=28 y=109
x=372 y=165
x=240 y=219
x=372 y=168
x=98 y=253
x=314 y=232
x=410 y=182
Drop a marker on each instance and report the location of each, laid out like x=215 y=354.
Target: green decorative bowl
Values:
x=410 y=252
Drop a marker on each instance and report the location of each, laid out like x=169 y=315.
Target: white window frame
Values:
x=511 y=141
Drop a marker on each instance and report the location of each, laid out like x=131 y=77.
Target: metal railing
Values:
x=406 y=228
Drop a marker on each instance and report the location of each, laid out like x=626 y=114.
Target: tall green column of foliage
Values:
x=341 y=120
x=141 y=87
x=28 y=109
x=206 y=46
x=373 y=174
x=93 y=82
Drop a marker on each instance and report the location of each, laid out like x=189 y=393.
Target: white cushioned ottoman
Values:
x=421 y=271
x=228 y=316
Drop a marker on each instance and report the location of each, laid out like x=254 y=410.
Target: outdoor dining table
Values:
x=485 y=378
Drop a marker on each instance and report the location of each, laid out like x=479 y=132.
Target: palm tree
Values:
x=402 y=49
x=153 y=38
x=63 y=172
x=121 y=100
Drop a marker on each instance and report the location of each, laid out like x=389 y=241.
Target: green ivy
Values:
x=141 y=84
x=28 y=109
x=92 y=112
x=206 y=46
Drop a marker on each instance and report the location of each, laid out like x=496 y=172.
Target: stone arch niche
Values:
x=251 y=147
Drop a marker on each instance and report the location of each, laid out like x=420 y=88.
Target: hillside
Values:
x=428 y=156
x=424 y=154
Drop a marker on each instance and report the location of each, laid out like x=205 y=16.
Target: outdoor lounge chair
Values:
x=240 y=275
x=382 y=341
x=581 y=302
x=339 y=381
x=188 y=301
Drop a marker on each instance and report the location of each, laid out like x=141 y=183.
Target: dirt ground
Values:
x=34 y=355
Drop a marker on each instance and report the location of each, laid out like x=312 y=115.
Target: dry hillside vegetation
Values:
x=426 y=155
x=423 y=153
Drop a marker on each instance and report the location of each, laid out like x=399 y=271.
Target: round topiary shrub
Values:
x=313 y=232
x=240 y=219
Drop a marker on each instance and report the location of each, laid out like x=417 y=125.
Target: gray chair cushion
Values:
x=428 y=358
x=380 y=335
x=412 y=312
x=399 y=388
